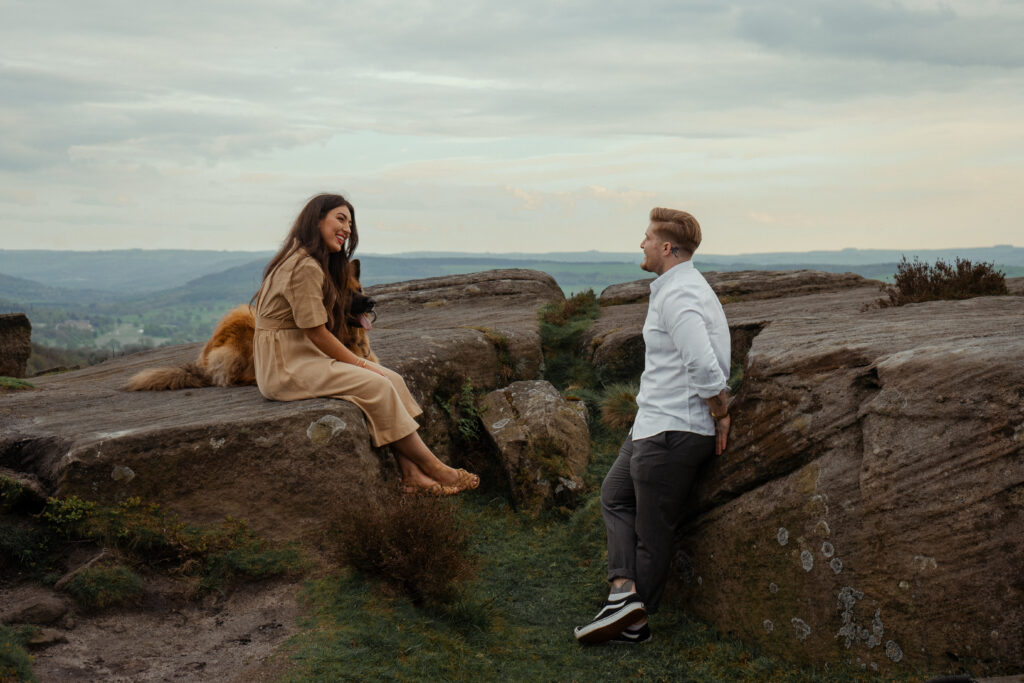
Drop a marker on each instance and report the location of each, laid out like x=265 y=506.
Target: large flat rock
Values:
x=207 y=453
x=871 y=502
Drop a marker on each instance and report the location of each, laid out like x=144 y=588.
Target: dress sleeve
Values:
x=681 y=309
x=305 y=294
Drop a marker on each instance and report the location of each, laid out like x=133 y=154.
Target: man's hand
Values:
x=722 y=426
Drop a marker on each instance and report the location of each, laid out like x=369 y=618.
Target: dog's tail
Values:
x=189 y=376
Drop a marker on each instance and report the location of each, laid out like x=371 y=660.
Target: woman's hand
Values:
x=363 y=364
x=332 y=346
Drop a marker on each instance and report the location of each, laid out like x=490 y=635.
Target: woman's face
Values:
x=335 y=228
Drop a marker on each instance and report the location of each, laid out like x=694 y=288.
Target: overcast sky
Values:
x=531 y=126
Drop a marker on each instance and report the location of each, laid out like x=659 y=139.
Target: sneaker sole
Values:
x=610 y=626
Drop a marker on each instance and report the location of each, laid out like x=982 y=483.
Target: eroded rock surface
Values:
x=543 y=441
x=207 y=453
x=870 y=503
x=15 y=344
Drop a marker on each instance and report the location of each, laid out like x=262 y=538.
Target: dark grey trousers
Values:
x=642 y=498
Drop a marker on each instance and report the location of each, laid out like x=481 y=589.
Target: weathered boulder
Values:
x=15 y=344
x=477 y=331
x=871 y=502
x=543 y=441
x=208 y=453
x=34 y=605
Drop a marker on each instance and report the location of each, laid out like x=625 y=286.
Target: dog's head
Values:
x=360 y=312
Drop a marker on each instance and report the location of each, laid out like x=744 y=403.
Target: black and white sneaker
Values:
x=614 y=617
x=633 y=634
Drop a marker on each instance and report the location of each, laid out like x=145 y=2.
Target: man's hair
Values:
x=677 y=227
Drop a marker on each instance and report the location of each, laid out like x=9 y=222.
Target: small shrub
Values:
x=915 y=282
x=415 y=544
x=581 y=305
x=15 y=661
x=461 y=408
x=99 y=587
x=618 y=405
x=22 y=545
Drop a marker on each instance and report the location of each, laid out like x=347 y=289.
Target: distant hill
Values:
x=26 y=291
x=123 y=271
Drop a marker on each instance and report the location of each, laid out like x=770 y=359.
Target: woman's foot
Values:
x=461 y=481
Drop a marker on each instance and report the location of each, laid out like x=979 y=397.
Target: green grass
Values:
x=14 y=384
x=539 y=576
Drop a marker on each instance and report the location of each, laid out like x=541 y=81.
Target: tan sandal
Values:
x=466 y=481
x=435 y=489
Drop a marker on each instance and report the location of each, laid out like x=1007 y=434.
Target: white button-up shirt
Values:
x=687 y=358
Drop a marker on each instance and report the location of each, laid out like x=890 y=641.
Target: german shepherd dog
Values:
x=227 y=358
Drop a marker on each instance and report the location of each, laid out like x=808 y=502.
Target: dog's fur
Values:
x=227 y=358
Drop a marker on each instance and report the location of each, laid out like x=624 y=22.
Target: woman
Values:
x=300 y=309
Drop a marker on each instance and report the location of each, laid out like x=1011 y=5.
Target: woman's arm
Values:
x=332 y=346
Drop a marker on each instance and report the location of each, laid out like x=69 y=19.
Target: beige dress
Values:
x=289 y=367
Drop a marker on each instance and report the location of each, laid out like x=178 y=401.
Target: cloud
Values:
x=890 y=31
x=529 y=118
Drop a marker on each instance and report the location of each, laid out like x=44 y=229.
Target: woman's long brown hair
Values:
x=305 y=234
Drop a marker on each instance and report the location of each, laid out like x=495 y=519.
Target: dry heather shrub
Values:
x=915 y=282
x=416 y=544
x=581 y=304
x=618 y=405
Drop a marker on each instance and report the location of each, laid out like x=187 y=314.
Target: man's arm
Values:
x=690 y=337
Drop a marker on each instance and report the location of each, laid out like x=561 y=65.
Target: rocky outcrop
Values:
x=207 y=453
x=15 y=344
x=615 y=343
x=868 y=506
x=746 y=285
x=542 y=439
x=869 y=503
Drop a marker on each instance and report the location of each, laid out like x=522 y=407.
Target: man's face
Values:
x=654 y=257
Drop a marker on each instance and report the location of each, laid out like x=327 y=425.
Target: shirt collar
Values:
x=671 y=274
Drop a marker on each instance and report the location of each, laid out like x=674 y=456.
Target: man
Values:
x=682 y=418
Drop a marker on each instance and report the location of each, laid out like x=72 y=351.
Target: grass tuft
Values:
x=618 y=405
x=96 y=588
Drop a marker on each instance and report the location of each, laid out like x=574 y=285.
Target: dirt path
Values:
x=223 y=640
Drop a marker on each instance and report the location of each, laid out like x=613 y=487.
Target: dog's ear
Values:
x=356 y=267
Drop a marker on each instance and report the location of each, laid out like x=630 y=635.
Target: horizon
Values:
x=537 y=253
x=542 y=128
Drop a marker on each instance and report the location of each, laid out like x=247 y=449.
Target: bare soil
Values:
x=221 y=638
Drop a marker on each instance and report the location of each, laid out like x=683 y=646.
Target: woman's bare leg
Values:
x=417 y=456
